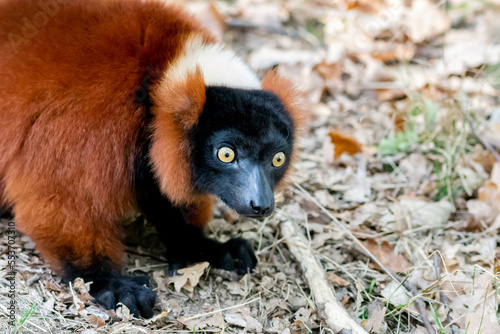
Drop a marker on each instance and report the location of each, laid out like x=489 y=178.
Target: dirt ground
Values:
x=396 y=190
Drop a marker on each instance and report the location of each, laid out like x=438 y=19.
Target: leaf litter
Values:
x=400 y=149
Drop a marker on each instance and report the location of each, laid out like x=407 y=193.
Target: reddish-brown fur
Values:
x=201 y=212
x=180 y=106
x=71 y=73
x=68 y=120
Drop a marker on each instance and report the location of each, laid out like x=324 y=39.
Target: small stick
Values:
x=327 y=305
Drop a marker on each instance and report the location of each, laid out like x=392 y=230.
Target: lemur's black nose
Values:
x=259 y=210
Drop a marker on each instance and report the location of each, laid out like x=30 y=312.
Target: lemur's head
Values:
x=233 y=136
x=241 y=148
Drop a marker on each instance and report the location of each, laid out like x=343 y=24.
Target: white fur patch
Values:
x=219 y=65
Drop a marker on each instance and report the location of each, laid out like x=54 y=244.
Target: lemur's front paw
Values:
x=238 y=255
x=234 y=255
x=130 y=291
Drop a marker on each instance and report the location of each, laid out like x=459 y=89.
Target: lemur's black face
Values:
x=241 y=148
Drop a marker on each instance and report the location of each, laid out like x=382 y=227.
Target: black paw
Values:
x=238 y=255
x=130 y=291
x=234 y=255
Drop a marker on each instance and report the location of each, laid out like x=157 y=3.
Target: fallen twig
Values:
x=328 y=307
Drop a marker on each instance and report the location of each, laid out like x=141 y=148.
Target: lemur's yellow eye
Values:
x=279 y=159
x=226 y=154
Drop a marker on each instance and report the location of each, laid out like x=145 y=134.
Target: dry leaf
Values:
x=424 y=26
x=464 y=50
x=235 y=319
x=253 y=325
x=376 y=320
x=215 y=320
x=475 y=307
x=390 y=94
x=240 y=288
x=80 y=306
x=484 y=157
x=335 y=279
x=264 y=14
x=482 y=214
x=96 y=321
x=157 y=317
x=189 y=277
x=82 y=289
x=412 y=213
x=385 y=253
x=359 y=187
x=89 y=331
x=344 y=143
x=396 y=294
x=490 y=191
x=123 y=313
x=366 y=6
x=389 y=52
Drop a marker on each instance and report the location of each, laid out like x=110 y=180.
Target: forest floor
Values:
x=398 y=180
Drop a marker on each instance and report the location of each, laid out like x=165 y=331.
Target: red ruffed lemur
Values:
x=109 y=107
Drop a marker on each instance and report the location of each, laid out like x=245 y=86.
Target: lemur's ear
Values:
x=183 y=96
x=293 y=101
x=178 y=102
x=288 y=94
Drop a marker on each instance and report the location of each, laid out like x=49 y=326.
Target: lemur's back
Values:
x=71 y=70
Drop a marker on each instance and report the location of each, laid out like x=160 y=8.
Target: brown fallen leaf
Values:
x=389 y=52
x=490 y=191
x=365 y=5
x=385 y=253
x=96 y=321
x=483 y=157
x=329 y=71
x=189 y=277
x=399 y=123
x=344 y=143
x=82 y=289
x=335 y=279
x=390 y=94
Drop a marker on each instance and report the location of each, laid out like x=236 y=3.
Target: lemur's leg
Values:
x=81 y=246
